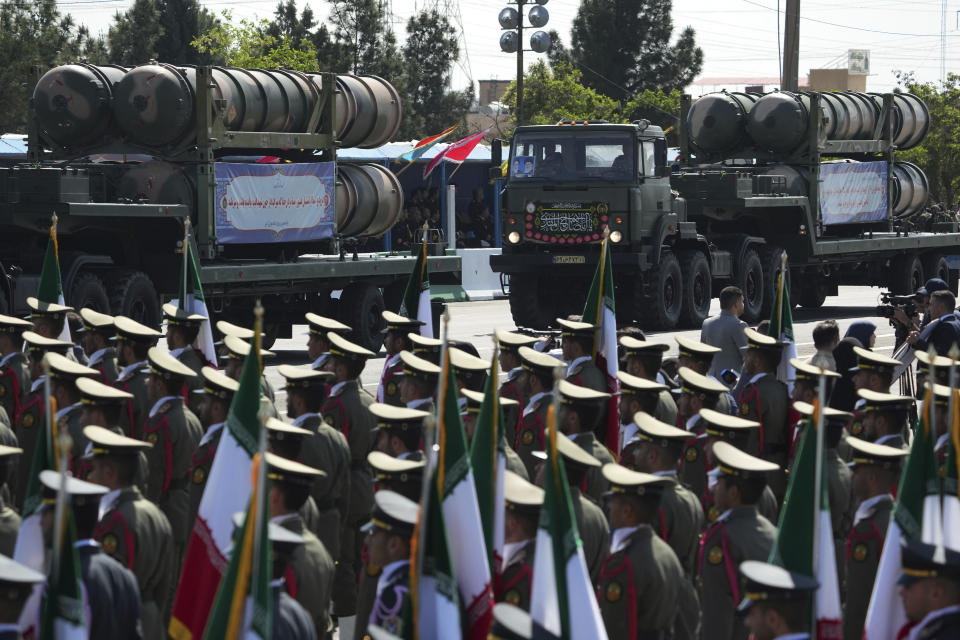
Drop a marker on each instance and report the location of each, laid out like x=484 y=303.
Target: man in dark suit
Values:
x=725 y=332
x=944 y=332
x=930 y=588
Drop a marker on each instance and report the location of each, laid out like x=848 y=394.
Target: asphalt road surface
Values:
x=475 y=321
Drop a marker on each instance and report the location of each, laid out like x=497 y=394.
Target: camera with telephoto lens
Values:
x=890 y=303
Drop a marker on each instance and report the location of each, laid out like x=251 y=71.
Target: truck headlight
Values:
x=531 y=207
x=616 y=236
x=513 y=237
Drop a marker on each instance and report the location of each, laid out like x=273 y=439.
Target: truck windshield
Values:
x=573 y=154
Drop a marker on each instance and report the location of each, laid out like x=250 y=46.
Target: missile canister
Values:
x=717 y=121
x=72 y=102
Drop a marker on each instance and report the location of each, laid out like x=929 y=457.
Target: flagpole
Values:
x=408 y=165
x=603 y=265
x=933 y=392
x=454 y=172
x=63 y=444
x=186 y=255
x=261 y=495
x=783 y=270
x=954 y=353
x=818 y=486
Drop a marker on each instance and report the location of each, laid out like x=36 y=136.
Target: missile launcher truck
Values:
x=812 y=175
x=124 y=156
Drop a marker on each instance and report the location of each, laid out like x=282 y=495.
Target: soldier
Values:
x=536 y=384
x=636 y=395
x=132 y=530
x=510 y=363
x=643 y=359
x=469 y=371
x=290 y=620
x=874 y=372
x=469 y=414
x=426 y=348
x=286 y=441
x=776 y=602
x=174 y=431
x=111 y=589
x=237 y=352
x=133 y=342
x=98 y=335
x=64 y=374
x=640 y=584
x=885 y=417
x=14 y=373
x=344 y=411
x=311 y=569
x=930 y=588
x=399 y=431
x=509 y=623
x=418 y=383
x=48 y=318
x=697 y=392
x=388 y=539
x=214 y=406
x=317 y=344
x=325 y=448
x=942 y=365
x=740 y=533
x=182 y=331
x=395 y=340
x=591 y=522
x=766 y=400
x=698 y=357
x=514 y=582
x=577 y=347
x=876 y=471
x=9 y=518
x=17 y=582
x=581 y=410
x=806 y=386
x=940 y=396
x=101 y=405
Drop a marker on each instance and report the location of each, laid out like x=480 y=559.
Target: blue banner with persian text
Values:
x=853 y=192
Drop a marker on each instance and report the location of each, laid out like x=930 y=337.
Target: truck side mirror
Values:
x=496 y=152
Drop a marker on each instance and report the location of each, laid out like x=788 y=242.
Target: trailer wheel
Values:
x=360 y=307
x=906 y=274
x=812 y=296
x=935 y=266
x=662 y=297
x=750 y=281
x=696 y=293
x=89 y=291
x=772 y=265
x=530 y=307
x=134 y=296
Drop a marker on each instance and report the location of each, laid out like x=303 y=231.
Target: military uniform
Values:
x=594 y=485
x=585 y=373
x=532 y=429
x=921 y=561
x=514 y=581
x=9 y=519
x=14 y=383
x=310 y=573
x=67 y=372
x=17 y=581
x=290 y=620
x=774 y=586
x=388 y=390
x=590 y=406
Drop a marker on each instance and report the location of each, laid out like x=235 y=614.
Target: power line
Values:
x=846 y=26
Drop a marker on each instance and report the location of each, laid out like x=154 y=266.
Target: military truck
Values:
x=124 y=156
x=813 y=176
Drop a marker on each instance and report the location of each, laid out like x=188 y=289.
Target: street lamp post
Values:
x=511 y=40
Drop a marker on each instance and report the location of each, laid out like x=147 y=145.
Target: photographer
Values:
x=920 y=300
x=941 y=333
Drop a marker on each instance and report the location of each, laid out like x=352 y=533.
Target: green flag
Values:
x=50 y=287
x=488 y=457
x=415 y=303
x=62 y=613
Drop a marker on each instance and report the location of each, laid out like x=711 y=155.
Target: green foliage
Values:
x=939 y=153
x=659 y=107
x=286 y=23
x=134 y=34
x=182 y=21
x=249 y=45
x=560 y=94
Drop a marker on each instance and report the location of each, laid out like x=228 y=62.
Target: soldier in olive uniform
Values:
x=344 y=411
x=98 y=334
x=536 y=383
x=318 y=347
x=14 y=372
x=17 y=582
x=510 y=363
x=399 y=430
x=418 y=383
x=698 y=357
x=426 y=348
x=183 y=328
x=388 y=538
x=174 y=431
x=64 y=373
x=640 y=585
x=469 y=371
x=132 y=530
x=643 y=359
x=581 y=410
x=697 y=392
x=9 y=518
x=885 y=417
x=776 y=602
x=325 y=448
x=103 y=406
x=806 y=387
x=469 y=414
x=876 y=471
x=395 y=340
x=290 y=620
x=514 y=582
x=874 y=372
x=133 y=342
x=286 y=440
x=214 y=406
x=637 y=395
x=48 y=317
x=237 y=351
x=930 y=589
x=311 y=569
x=740 y=533
x=766 y=400
x=577 y=347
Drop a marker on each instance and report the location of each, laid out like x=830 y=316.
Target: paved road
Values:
x=475 y=322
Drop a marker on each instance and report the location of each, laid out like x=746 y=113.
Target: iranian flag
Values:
x=461 y=512
x=50 y=287
x=916 y=515
x=190 y=299
x=427 y=143
x=781 y=325
x=562 y=603
x=601 y=310
x=228 y=491
x=951 y=487
x=804 y=542
x=64 y=610
x=415 y=303
x=489 y=460
x=456 y=152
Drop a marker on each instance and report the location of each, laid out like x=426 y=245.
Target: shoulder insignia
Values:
x=328 y=419
x=613 y=592
x=164 y=407
x=513 y=597
x=744 y=409
x=715 y=555
x=860 y=552
x=712 y=513
x=535 y=406
x=856 y=428
x=392 y=625
x=527 y=437
x=3 y=390
x=199 y=475
x=391 y=388
x=152 y=438
x=27 y=420
x=109 y=544
x=691 y=454
x=576 y=371
x=373 y=571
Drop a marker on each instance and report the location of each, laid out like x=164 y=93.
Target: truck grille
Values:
x=566 y=223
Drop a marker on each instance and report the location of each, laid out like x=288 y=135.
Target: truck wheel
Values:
x=750 y=281
x=134 y=296
x=89 y=291
x=360 y=307
x=696 y=293
x=770 y=257
x=906 y=274
x=662 y=298
x=935 y=266
x=530 y=308
x=812 y=296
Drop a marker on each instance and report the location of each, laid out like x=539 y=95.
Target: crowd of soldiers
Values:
x=676 y=524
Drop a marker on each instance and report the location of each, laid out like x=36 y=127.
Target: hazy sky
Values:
x=738 y=37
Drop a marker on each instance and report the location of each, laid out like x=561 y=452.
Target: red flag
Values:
x=456 y=152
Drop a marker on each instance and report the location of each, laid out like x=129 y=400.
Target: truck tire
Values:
x=530 y=308
x=750 y=280
x=906 y=274
x=662 y=297
x=134 y=296
x=88 y=291
x=770 y=258
x=935 y=266
x=696 y=294
x=360 y=307
x=812 y=296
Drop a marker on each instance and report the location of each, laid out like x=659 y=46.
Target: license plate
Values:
x=569 y=259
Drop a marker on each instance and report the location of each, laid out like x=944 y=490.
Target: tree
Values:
x=362 y=43
x=658 y=107
x=134 y=34
x=939 y=153
x=560 y=94
x=181 y=22
x=249 y=45
x=286 y=23
x=623 y=46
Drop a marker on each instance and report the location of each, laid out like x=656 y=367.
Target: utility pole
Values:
x=519 y=113
x=791 y=47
